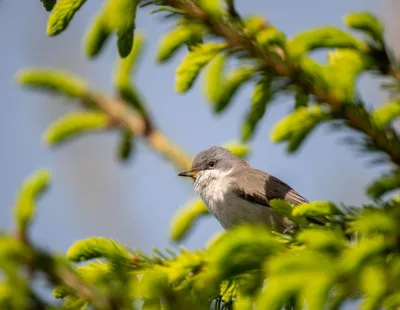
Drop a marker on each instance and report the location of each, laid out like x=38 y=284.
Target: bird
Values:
x=236 y=193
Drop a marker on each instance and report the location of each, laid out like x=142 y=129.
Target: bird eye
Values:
x=211 y=164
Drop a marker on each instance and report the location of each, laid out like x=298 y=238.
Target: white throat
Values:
x=210 y=178
x=212 y=185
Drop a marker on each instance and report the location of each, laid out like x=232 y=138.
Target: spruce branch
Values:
x=56 y=269
x=58 y=273
x=353 y=113
x=119 y=111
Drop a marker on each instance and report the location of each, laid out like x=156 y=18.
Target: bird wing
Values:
x=260 y=187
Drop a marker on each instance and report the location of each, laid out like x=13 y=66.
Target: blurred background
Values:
x=92 y=193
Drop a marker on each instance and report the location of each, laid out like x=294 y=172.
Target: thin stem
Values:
x=60 y=274
x=119 y=111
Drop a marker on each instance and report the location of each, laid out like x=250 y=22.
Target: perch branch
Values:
x=120 y=113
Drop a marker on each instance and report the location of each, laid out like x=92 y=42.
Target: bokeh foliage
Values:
x=351 y=253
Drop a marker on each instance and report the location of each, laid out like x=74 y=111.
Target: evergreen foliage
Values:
x=349 y=253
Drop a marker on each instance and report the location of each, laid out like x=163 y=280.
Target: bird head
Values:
x=216 y=160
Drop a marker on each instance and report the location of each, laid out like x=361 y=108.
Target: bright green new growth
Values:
x=30 y=191
x=122 y=18
x=314 y=264
x=11 y=288
x=282 y=207
x=238 y=149
x=228 y=290
x=63 y=12
x=367 y=23
x=295 y=127
x=10 y=249
x=359 y=254
x=322 y=240
x=270 y=36
x=116 y=16
x=304 y=280
x=179 y=36
x=385 y=114
x=213 y=77
x=224 y=254
x=99 y=247
x=384 y=185
x=53 y=80
x=260 y=98
x=73 y=125
x=286 y=209
x=96 y=36
x=373 y=285
x=344 y=66
x=372 y=221
x=235 y=79
x=212 y=7
x=220 y=89
x=192 y=64
x=326 y=37
x=126 y=66
x=254 y=23
x=95 y=271
x=185 y=218
x=315 y=208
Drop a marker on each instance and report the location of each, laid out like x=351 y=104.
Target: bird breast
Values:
x=215 y=189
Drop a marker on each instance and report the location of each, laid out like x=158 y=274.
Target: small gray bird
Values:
x=234 y=192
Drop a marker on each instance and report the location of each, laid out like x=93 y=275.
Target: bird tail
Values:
x=295 y=198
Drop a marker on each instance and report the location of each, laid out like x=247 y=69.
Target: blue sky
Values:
x=92 y=193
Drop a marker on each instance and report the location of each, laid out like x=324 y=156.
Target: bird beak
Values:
x=191 y=173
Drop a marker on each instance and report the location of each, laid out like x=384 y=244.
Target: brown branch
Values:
x=60 y=274
x=235 y=34
x=120 y=113
x=82 y=289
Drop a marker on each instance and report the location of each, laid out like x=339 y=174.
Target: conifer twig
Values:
x=120 y=113
x=354 y=114
x=61 y=274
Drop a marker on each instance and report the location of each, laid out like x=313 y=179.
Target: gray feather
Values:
x=260 y=187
